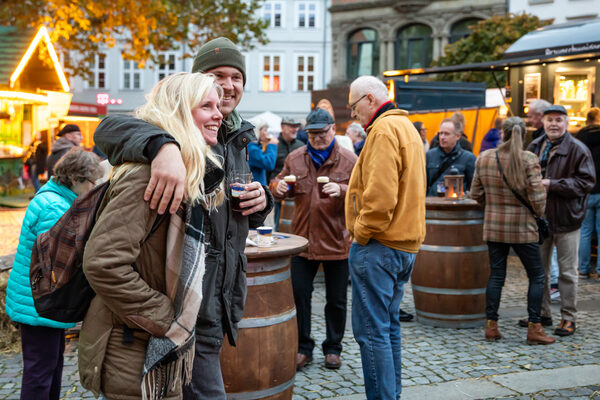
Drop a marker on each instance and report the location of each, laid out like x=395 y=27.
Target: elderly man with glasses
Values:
x=321 y=169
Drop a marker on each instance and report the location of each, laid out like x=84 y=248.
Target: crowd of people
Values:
x=359 y=199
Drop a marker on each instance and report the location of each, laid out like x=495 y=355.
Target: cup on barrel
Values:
x=265 y=236
x=322 y=181
x=291 y=182
x=237 y=183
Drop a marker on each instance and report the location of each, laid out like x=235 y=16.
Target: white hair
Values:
x=539 y=106
x=345 y=142
x=364 y=85
x=355 y=126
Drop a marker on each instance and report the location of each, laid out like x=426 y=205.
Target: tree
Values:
x=488 y=41
x=144 y=27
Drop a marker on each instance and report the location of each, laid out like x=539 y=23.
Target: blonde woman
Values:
x=137 y=338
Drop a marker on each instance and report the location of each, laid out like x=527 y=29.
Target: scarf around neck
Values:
x=384 y=107
x=170 y=358
x=233 y=122
x=319 y=156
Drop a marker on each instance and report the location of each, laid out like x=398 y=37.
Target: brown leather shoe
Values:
x=536 y=335
x=566 y=328
x=333 y=361
x=302 y=360
x=492 y=333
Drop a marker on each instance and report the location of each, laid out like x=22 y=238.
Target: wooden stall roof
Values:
x=13 y=45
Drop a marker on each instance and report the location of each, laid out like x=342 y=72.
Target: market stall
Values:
x=34 y=94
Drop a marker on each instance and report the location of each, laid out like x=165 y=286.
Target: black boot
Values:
x=405 y=317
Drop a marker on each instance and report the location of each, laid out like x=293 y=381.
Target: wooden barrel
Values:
x=263 y=364
x=286 y=216
x=452 y=268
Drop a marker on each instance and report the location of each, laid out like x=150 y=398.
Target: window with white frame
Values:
x=98 y=68
x=305 y=72
x=167 y=65
x=132 y=75
x=273 y=13
x=307 y=14
x=271 y=72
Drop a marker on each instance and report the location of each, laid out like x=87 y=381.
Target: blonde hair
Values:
x=513 y=131
x=169 y=106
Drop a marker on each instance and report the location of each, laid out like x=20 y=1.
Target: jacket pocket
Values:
x=302 y=185
x=240 y=289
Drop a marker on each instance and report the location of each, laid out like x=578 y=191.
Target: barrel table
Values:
x=263 y=364
x=452 y=267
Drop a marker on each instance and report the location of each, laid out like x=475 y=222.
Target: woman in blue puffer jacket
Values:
x=42 y=340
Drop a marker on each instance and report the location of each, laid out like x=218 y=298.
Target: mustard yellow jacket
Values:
x=385 y=200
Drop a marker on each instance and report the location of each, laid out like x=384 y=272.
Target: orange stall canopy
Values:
x=478 y=122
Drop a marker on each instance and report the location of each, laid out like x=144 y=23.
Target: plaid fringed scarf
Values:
x=169 y=359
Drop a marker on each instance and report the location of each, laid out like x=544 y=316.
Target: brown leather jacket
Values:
x=572 y=177
x=319 y=220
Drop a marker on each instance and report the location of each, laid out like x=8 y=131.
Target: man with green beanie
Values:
x=124 y=138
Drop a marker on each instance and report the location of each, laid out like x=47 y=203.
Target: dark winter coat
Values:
x=59 y=148
x=572 y=176
x=123 y=138
x=590 y=136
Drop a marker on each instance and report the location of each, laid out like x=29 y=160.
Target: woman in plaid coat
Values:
x=508 y=223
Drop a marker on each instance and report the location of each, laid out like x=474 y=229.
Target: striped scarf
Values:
x=169 y=359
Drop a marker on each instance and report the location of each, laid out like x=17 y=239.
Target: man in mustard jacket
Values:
x=385 y=214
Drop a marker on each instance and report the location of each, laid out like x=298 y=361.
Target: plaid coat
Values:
x=506 y=219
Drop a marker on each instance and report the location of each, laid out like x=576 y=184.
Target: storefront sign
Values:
x=87 y=109
x=572 y=49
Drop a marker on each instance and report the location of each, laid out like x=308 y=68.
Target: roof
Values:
x=13 y=45
x=558 y=40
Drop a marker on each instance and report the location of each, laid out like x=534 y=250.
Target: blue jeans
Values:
x=378 y=276
x=591 y=223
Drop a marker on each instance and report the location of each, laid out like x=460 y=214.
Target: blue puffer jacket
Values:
x=261 y=163
x=48 y=205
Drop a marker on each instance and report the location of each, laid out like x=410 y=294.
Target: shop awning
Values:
x=558 y=40
x=583 y=43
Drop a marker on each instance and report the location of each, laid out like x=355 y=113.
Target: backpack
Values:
x=59 y=287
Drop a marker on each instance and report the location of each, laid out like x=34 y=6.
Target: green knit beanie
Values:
x=219 y=52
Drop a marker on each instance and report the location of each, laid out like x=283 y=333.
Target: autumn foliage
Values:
x=143 y=27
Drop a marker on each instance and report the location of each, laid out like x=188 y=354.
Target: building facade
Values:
x=559 y=11
x=370 y=37
x=280 y=75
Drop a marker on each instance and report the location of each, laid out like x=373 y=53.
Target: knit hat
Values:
x=67 y=129
x=219 y=52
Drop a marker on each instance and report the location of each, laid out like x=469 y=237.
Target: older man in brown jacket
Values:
x=319 y=217
x=569 y=176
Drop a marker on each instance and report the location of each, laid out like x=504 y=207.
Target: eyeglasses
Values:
x=351 y=106
x=319 y=133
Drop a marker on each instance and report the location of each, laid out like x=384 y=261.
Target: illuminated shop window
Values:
x=271 y=72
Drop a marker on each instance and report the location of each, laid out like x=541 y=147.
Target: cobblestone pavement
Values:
x=430 y=356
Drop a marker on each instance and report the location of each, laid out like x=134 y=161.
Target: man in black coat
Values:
x=123 y=138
